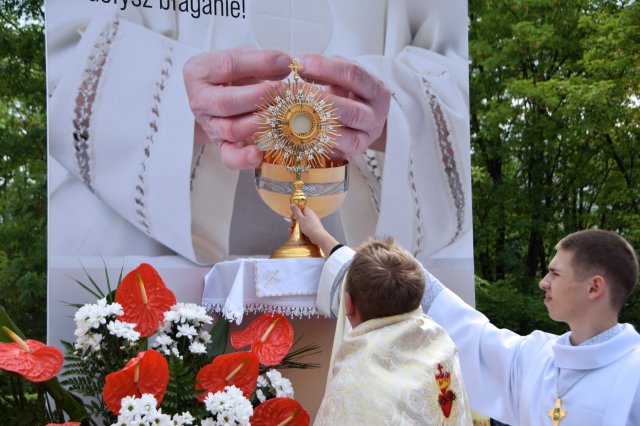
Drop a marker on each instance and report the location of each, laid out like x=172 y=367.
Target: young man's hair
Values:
x=599 y=252
x=384 y=279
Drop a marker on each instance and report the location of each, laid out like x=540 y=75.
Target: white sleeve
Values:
x=333 y=273
x=119 y=120
x=489 y=357
x=426 y=166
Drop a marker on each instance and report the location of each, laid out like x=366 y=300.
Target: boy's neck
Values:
x=584 y=331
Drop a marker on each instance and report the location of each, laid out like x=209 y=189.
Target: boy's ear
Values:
x=597 y=287
x=349 y=307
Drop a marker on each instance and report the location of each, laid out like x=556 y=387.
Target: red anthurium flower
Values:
x=280 y=412
x=270 y=337
x=64 y=424
x=239 y=369
x=146 y=373
x=144 y=298
x=31 y=359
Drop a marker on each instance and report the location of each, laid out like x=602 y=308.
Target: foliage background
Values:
x=555 y=125
x=23 y=169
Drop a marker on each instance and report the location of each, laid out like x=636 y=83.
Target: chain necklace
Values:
x=557 y=413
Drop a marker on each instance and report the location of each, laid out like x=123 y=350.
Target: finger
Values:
x=233 y=129
x=350 y=142
x=228 y=101
x=338 y=91
x=227 y=66
x=309 y=213
x=236 y=157
x=357 y=115
x=344 y=73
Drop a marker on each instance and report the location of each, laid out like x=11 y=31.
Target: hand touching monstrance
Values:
x=297 y=128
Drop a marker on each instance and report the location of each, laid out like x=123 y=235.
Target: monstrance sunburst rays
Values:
x=297 y=126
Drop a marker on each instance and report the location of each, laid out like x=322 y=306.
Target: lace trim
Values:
x=432 y=289
x=252 y=308
x=141 y=185
x=86 y=97
x=374 y=170
x=419 y=225
x=604 y=336
x=372 y=164
x=449 y=163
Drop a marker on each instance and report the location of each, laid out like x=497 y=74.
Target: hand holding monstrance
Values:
x=222 y=87
x=297 y=130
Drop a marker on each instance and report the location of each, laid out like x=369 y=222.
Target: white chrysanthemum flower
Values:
x=195 y=314
x=163 y=340
x=187 y=331
x=183 y=325
x=91 y=317
x=123 y=330
x=115 y=309
x=128 y=405
x=280 y=384
x=147 y=403
x=197 y=348
x=183 y=419
x=260 y=395
x=204 y=337
x=172 y=315
x=181 y=313
x=143 y=412
x=229 y=406
x=208 y=422
x=262 y=381
x=176 y=352
x=90 y=341
x=88 y=317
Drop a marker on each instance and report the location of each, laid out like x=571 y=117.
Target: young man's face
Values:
x=565 y=297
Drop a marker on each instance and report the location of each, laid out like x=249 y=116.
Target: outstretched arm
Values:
x=334 y=269
x=311 y=226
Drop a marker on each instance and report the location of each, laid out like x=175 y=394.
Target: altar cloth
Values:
x=249 y=285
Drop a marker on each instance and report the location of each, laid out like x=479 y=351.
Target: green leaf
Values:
x=6 y=321
x=219 y=335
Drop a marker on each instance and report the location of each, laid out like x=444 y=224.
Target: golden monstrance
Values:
x=298 y=127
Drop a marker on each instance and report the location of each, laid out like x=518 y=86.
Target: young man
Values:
x=588 y=376
x=394 y=365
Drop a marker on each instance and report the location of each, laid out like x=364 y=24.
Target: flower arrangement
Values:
x=141 y=358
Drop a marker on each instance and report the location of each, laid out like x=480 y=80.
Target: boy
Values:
x=395 y=366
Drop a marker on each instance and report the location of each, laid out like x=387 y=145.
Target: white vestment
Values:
x=514 y=379
x=121 y=134
x=397 y=370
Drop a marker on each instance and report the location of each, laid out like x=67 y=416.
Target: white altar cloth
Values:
x=248 y=285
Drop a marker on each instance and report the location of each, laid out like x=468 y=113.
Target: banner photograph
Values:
x=168 y=120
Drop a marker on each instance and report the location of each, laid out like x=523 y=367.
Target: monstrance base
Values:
x=292 y=251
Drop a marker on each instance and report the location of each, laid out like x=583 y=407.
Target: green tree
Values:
x=554 y=125
x=23 y=202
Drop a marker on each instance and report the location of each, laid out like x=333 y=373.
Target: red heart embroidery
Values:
x=446 y=402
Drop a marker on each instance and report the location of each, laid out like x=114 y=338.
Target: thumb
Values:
x=297 y=213
x=236 y=157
